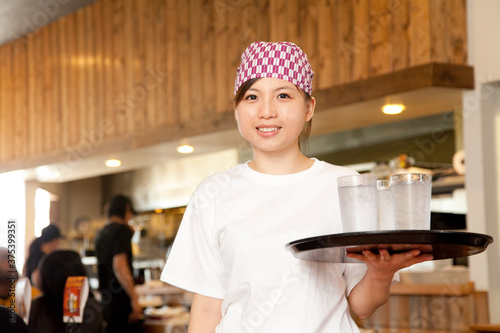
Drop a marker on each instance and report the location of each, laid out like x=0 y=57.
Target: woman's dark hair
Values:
x=54 y=269
x=306 y=130
x=35 y=254
x=12 y=322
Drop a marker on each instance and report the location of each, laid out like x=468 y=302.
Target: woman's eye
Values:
x=283 y=95
x=251 y=97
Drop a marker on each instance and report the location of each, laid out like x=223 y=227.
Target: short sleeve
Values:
x=194 y=262
x=121 y=239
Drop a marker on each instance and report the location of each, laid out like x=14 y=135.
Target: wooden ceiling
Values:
x=119 y=76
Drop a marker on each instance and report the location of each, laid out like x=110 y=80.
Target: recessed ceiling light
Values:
x=113 y=163
x=53 y=174
x=185 y=149
x=393 y=108
x=47 y=172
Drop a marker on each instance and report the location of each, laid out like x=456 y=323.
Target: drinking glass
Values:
x=385 y=208
x=358 y=202
x=411 y=197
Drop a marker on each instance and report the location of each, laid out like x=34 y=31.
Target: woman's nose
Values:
x=267 y=110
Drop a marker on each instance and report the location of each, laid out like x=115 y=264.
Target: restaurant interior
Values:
x=100 y=97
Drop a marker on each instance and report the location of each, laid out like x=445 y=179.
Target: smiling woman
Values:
x=230 y=248
x=271 y=115
x=273 y=99
x=306 y=129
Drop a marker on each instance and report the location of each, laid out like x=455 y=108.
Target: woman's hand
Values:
x=384 y=264
x=374 y=289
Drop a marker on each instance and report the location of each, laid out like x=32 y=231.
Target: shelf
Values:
x=432 y=289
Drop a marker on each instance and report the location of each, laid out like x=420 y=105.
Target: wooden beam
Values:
x=71 y=157
x=423 y=76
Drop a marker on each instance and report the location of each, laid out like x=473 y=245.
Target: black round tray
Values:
x=441 y=244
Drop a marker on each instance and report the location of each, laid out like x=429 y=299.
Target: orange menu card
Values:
x=76 y=293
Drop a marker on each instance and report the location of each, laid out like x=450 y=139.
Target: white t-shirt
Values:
x=231 y=245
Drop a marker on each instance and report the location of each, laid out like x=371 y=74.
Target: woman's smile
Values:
x=268 y=131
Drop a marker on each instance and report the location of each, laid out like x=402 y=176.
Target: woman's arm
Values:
x=205 y=314
x=374 y=289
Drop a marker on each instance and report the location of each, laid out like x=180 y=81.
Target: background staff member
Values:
x=114 y=263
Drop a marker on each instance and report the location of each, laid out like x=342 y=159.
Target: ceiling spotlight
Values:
x=47 y=172
x=53 y=174
x=185 y=149
x=113 y=163
x=393 y=108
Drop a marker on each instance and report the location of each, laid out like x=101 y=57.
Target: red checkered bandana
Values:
x=282 y=60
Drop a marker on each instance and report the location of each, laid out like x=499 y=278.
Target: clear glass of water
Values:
x=385 y=208
x=358 y=202
x=411 y=197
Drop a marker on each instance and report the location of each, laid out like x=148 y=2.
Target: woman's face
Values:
x=271 y=115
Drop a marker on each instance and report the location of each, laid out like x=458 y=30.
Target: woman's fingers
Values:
x=385 y=259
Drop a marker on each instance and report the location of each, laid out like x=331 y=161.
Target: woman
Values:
x=46 y=314
x=230 y=249
x=48 y=241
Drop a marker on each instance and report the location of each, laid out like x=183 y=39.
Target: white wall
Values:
x=481 y=114
x=169 y=184
x=77 y=198
x=84 y=200
x=56 y=188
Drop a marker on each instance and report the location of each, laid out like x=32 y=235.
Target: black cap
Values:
x=117 y=206
x=49 y=233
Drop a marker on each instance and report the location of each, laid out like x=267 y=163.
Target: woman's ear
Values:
x=311 y=105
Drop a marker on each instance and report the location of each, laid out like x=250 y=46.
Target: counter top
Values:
x=432 y=289
x=485 y=328
x=157 y=288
